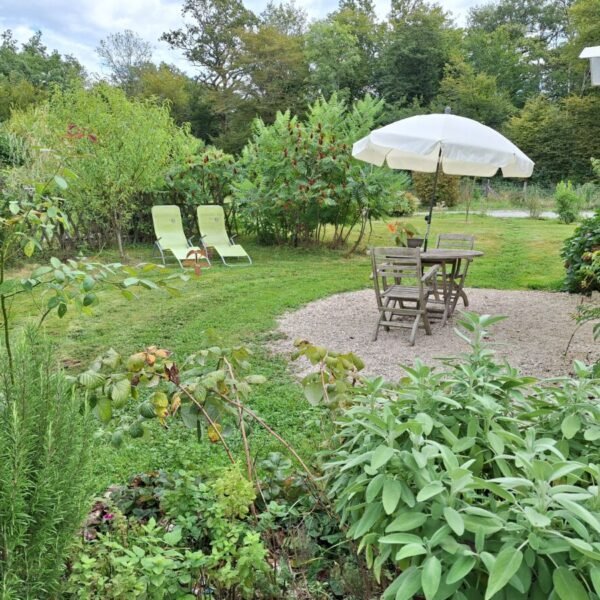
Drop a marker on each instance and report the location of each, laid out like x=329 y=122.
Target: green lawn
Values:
x=242 y=305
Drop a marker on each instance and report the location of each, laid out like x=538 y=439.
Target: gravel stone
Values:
x=533 y=338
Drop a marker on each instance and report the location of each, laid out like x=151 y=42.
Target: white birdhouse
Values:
x=593 y=53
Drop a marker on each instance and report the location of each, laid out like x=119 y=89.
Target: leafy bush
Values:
x=44 y=474
x=474 y=481
x=298 y=177
x=202 y=177
x=581 y=252
x=196 y=541
x=568 y=202
x=404 y=204
x=590 y=194
x=115 y=148
x=447 y=192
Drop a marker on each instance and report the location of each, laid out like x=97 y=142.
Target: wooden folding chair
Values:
x=401 y=289
x=457 y=241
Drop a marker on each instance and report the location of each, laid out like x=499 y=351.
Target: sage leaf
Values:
x=507 y=563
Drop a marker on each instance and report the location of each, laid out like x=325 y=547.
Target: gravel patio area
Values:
x=533 y=337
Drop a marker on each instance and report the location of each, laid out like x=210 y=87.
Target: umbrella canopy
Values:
x=461 y=146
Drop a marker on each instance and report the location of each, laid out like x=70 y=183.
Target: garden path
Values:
x=533 y=337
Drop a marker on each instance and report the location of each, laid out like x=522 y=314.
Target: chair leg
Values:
x=376 y=330
x=413 y=332
x=426 y=323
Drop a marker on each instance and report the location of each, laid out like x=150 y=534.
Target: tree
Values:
x=286 y=17
x=167 y=84
x=413 y=56
x=212 y=40
x=124 y=54
x=28 y=74
x=342 y=51
x=118 y=148
x=473 y=95
x=559 y=136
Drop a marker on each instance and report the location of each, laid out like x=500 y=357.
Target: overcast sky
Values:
x=76 y=26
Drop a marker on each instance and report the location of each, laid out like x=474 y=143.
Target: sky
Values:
x=77 y=26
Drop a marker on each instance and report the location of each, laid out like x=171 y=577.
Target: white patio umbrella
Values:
x=455 y=145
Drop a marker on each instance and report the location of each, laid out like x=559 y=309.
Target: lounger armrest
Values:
x=190 y=240
x=430 y=273
x=231 y=238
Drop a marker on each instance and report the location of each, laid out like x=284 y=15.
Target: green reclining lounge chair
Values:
x=169 y=235
x=211 y=222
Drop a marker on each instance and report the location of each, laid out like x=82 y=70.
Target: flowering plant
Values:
x=402 y=232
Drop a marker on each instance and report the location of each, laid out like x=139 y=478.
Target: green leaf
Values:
x=370 y=516
x=568 y=586
x=381 y=455
x=578 y=511
x=406 y=522
x=405 y=586
x=62 y=310
x=104 y=410
x=29 y=248
x=313 y=393
x=570 y=426
x=399 y=538
x=174 y=536
x=431 y=577
x=410 y=550
x=455 y=520
x=536 y=518
x=60 y=182
x=496 y=442
x=507 y=563
x=460 y=568
x=430 y=490
x=120 y=390
x=392 y=490
x=374 y=487
x=595 y=577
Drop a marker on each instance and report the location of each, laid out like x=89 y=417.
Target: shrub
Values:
x=448 y=188
x=581 y=252
x=568 y=202
x=44 y=475
x=180 y=537
x=472 y=481
x=403 y=204
x=298 y=178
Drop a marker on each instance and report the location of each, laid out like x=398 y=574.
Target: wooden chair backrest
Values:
x=395 y=266
x=456 y=241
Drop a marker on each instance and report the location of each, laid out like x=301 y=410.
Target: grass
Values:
x=243 y=304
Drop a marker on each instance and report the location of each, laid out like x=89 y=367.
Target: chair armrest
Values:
x=231 y=238
x=191 y=240
x=430 y=273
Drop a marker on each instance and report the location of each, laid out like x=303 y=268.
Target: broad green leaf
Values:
x=370 y=516
x=496 y=442
x=570 y=426
x=29 y=248
x=568 y=586
x=173 y=537
x=400 y=538
x=430 y=490
x=579 y=511
x=431 y=577
x=104 y=410
x=410 y=550
x=455 y=520
x=405 y=586
x=60 y=182
x=62 y=310
x=313 y=393
x=120 y=390
x=536 y=518
x=91 y=379
x=392 y=490
x=374 y=487
x=506 y=565
x=460 y=568
x=595 y=577
x=381 y=455
x=426 y=421
x=406 y=522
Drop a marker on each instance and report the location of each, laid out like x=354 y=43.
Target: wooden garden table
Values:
x=452 y=284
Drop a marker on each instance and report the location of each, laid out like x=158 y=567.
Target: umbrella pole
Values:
x=432 y=202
